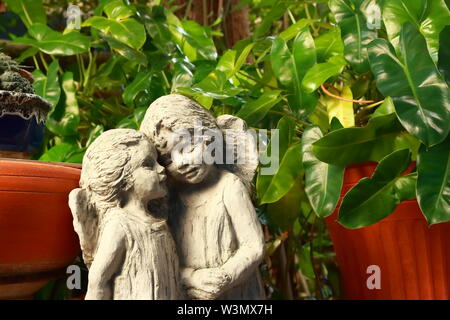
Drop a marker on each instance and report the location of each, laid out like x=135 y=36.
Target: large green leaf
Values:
x=64 y=152
x=289 y=171
x=200 y=38
x=421 y=97
x=193 y=39
x=279 y=143
x=375 y=198
x=294 y=29
x=444 y=53
x=321 y=72
x=290 y=69
x=428 y=16
x=433 y=182
x=128 y=31
x=355 y=32
x=254 y=111
x=155 y=23
x=323 y=181
x=386 y=108
x=329 y=44
x=29 y=11
x=139 y=84
x=126 y=51
x=68 y=125
x=47 y=86
x=274 y=14
x=53 y=42
x=117 y=10
x=380 y=137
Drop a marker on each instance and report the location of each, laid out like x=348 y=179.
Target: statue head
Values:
x=166 y=120
x=120 y=162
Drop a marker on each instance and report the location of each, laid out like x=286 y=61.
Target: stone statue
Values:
x=218 y=236
x=129 y=250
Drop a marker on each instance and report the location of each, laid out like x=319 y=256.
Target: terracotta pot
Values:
x=413 y=257
x=37 y=239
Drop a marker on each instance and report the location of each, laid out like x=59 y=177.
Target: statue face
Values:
x=149 y=178
x=184 y=165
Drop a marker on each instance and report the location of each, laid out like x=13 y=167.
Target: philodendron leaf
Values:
x=126 y=51
x=321 y=72
x=290 y=69
x=355 y=32
x=380 y=137
x=433 y=182
x=342 y=110
x=329 y=44
x=119 y=24
x=289 y=171
x=421 y=97
x=63 y=152
x=67 y=126
x=428 y=16
x=53 y=42
x=279 y=144
x=283 y=212
x=375 y=198
x=294 y=29
x=254 y=111
x=47 y=86
x=323 y=181
x=140 y=83
x=386 y=108
x=444 y=53
x=29 y=11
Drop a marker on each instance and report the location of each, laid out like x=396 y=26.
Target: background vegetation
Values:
x=309 y=68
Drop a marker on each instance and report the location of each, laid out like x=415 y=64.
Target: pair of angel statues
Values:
x=196 y=238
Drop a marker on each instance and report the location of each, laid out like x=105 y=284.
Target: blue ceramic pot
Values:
x=22 y=122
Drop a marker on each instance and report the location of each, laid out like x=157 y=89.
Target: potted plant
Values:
x=395 y=196
x=36 y=233
x=22 y=113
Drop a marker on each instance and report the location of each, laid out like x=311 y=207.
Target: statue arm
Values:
x=107 y=262
x=248 y=231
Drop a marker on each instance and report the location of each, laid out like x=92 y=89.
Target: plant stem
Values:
x=44 y=63
x=88 y=71
x=188 y=10
x=36 y=63
x=328 y=93
x=291 y=16
x=373 y=105
x=289 y=116
x=166 y=81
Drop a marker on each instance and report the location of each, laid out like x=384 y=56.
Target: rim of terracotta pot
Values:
x=34 y=168
x=25 y=105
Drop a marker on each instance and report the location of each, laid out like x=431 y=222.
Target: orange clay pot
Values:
x=37 y=239
x=413 y=257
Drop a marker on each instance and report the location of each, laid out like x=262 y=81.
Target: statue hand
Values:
x=207 y=283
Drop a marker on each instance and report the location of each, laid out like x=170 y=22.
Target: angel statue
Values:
x=218 y=236
x=129 y=250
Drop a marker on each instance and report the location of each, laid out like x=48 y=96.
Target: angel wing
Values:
x=240 y=147
x=85 y=222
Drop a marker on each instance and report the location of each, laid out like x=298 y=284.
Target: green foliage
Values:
x=373 y=199
x=421 y=97
x=308 y=69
